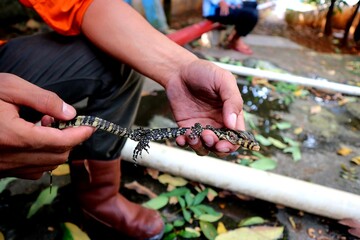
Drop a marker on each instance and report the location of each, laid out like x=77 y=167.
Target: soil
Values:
x=312 y=38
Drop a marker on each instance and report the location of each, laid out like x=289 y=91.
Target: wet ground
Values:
x=326 y=125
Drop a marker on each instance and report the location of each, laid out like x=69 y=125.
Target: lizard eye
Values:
x=231 y=135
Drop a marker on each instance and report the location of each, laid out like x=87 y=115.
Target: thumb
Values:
x=20 y=92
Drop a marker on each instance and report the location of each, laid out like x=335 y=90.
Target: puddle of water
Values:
x=151 y=105
x=258 y=100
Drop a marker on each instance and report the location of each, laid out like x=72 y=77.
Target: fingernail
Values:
x=68 y=110
x=209 y=141
x=193 y=141
x=224 y=150
x=232 y=120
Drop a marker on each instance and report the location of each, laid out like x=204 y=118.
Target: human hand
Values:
x=224 y=8
x=27 y=150
x=206 y=94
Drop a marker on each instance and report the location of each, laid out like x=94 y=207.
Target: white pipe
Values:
x=263 y=185
x=323 y=84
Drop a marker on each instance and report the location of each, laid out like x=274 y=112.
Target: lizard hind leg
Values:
x=196 y=131
x=143 y=144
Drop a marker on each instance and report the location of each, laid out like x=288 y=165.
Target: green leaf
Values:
x=210 y=58
x=277 y=143
x=196 y=210
x=45 y=197
x=244 y=162
x=262 y=140
x=168 y=227
x=291 y=142
x=264 y=164
x=177 y=192
x=200 y=197
x=283 y=125
x=225 y=59
x=208 y=230
x=189 y=233
x=207 y=209
x=258 y=154
x=179 y=223
x=295 y=151
x=210 y=218
x=171 y=236
x=251 y=221
x=73 y=232
x=186 y=215
x=157 y=203
x=4 y=182
x=189 y=199
x=181 y=202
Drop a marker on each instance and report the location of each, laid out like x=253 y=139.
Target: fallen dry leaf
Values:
x=153 y=173
x=140 y=189
x=343 y=101
x=298 y=130
x=315 y=109
x=173 y=200
x=61 y=170
x=211 y=195
x=354 y=225
x=344 y=151
x=221 y=228
x=356 y=160
x=174 y=181
x=253 y=233
x=170 y=188
x=243 y=197
x=311 y=233
x=292 y=223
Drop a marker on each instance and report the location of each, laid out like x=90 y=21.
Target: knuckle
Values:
x=48 y=100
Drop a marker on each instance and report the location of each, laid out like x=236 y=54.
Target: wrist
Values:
x=176 y=67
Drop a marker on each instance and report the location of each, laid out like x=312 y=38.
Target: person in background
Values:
x=242 y=14
x=98 y=54
x=154 y=13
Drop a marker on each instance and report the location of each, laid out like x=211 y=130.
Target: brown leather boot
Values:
x=97 y=186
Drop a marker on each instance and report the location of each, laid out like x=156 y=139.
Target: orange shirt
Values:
x=64 y=16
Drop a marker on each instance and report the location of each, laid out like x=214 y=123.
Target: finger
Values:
x=223 y=148
x=14 y=160
x=197 y=146
x=233 y=103
x=21 y=92
x=47 y=120
x=50 y=139
x=181 y=141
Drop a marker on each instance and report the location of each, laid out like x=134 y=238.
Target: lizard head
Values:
x=242 y=138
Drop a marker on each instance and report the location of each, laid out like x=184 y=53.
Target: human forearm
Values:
x=119 y=30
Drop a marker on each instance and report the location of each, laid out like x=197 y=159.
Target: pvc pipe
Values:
x=274 y=76
x=263 y=185
x=192 y=32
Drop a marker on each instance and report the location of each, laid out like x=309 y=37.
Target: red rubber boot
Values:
x=97 y=186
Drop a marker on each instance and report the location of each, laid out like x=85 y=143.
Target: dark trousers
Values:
x=76 y=70
x=244 y=19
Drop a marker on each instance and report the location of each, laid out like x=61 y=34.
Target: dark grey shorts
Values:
x=77 y=71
